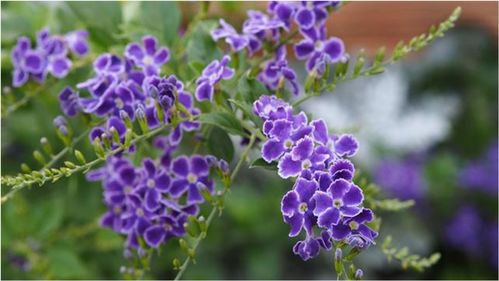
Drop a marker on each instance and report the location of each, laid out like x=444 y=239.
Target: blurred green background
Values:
x=437 y=112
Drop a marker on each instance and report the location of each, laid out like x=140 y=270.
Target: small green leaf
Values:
x=64 y=264
x=250 y=89
x=102 y=19
x=225 y=121
x=220 y=145
x=200 y=46
x=260 y=163
x=161 y=19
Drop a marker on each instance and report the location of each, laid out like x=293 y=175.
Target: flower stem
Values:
x=201 y=236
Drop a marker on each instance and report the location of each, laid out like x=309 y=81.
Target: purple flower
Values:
x=302 y=157
x=258 y=23
x=318 y=51
x=308 y=248
x=69 y=102
x=154 y=183
x=49 y=56
x=77 y=41
x=212 y=74
x=463 y=229
x=167 y=227
x=148 y=57
x=355 y=231
x=236 y=41
x=311 y=13
x=342 y=199
x=271 y=108
x=482 y=174
x=297 y=207
x=401 y=178
x=191 y=176
x=277 y=71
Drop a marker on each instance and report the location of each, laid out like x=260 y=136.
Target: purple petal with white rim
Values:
x=204 y=91
x=272 y=150
x=180 y=166
x=199 y=166
x=150 y=45
x=304 y=49
x=305 y=189
x=354 y=196
x=154 y=235
x=288 y=168
x=329 y=218
x=323 y=201
x=335 y=48
x=338 y=188
x=303 y=149
x=346 y=145
x=289 y=203
x=296 y=223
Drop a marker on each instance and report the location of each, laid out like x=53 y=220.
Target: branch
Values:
x=202 y=235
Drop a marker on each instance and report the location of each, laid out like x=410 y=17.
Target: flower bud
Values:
x=126 y=118
x=46 y=146
x=358 y=274
x=224 y=166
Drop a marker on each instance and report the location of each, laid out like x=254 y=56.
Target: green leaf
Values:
x=220 y=145
x=22 y=18
x=260 y=163
x=225 y=121
x=247 y=109
x=64 y=264
x=250 y=89
x=201 y=46
x=161 y=19
x=102 y=19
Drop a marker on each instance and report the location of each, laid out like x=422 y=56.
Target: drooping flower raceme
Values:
x=49 y=56
x=152 y=201
x=324 y=196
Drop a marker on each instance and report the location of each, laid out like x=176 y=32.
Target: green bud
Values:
x=159 y=111
x=202 y=224
x=79 y=156
x=39 y=157
x=126 y=119
x=69 y=164
x=193 y=226
x=128 y=137
x=46 y=146
x=183 y=244
x=25 y=168
x=359 y=64
x=105 y=139
x=176 y=264
x=99 y=150
x=207 y=195
x=115 y=135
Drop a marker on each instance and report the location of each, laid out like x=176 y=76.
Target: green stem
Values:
x=88 y=165
x=201 y=236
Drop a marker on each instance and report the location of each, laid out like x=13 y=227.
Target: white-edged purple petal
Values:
x=289 y=203
x=288 y=168
x=323 y=201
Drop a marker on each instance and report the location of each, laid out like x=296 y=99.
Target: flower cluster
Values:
x=130 y=88
x=262 y=29
x=324 y=195
x=403 y=178
x=482 y=173
x=467 y=224
x=49 y=56
x=151 y=203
